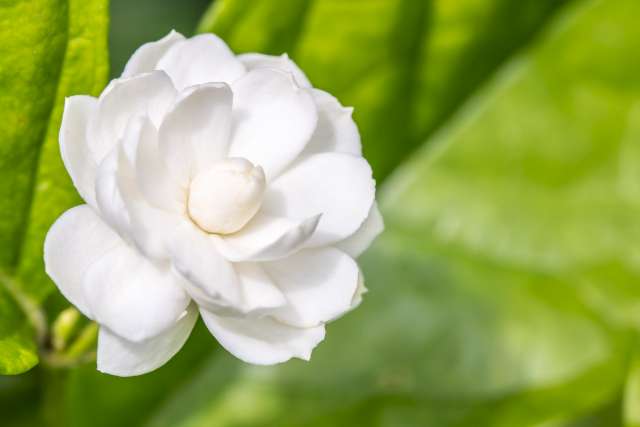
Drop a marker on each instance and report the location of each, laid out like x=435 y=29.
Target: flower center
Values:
x=225 y=197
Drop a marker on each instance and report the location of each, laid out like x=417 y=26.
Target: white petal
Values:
x=258 y=290
x=336 y=130
x=201 y=59
x=338 y=186
x=148 y=94
x=74 y=242
x=150 y=227
x=266 y=238
x=133 y=297
x=195 y=133
x=74 y=146
x=319 y=284
x=273 y=119
x=253 y=61
x=109 y=198
x=211 y=279
x=357 y=243
x=146 y=57
x=124 y=358
x=262 y=341
x=360 y=291
x=157 y=186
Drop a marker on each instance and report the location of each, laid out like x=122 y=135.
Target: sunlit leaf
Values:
x=50 y=50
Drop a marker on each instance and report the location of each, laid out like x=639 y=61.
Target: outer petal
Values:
x=319 y=284
x=336 y=130
x=356 y=244
x=253 y=61
x=74 y=146
x=195 y=132
x=74 y=242
x=146 y=94
x=266 y=238
x=211 y=279
x=273 y=119
x=119 y=356
x=262 y=341
x=338 y=186
x=201 y=59
x=146 y=57
x=131 y=296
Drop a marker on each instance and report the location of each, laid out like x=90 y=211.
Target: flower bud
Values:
x=225 y=197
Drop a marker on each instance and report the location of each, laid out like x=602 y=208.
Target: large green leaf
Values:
x=50 y=50
x=503 y=292
x=404 y=65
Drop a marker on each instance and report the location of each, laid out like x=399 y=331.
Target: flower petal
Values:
x=258 y=291
x=357 y=243
x=148 y=94
x=131 y=296
x=201 y=59
x=109 y=197
x=195 y=133
x=124 y=358
x=262 y=341
x=156 y=185
x=74 y=242
x=253 y=61
x=146 y=57
x=338 y=186
x=74 y=146
x=336 y=130
x=273 y=119
x=319 y=284
x=211 y=278
x=266 y=238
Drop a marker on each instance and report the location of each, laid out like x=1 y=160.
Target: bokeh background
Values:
x=505 y=291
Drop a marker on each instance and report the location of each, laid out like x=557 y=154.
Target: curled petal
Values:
x=273 y=119
x=338 y=186
x=124 y=358
x=319 y=285
x=195 y=133
x=266 y=238
x=148 y=94
x=75 y=241
x=253 y=61
x=74 y=146
x=336 y=130
x=262 y=341
x=201 y=59
x=146 y=57
x=357 y=243
x=131 y=296
x=156 y=185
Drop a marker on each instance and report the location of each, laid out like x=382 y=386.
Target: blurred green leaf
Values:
x=51 y=49
x=503 y=292
x=404 y=65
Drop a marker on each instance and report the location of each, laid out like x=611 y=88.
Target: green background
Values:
x=505 y=139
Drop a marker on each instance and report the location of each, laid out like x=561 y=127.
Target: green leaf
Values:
x=503 y=292
x=632 y=394
x=404 y=65
x=51 y=49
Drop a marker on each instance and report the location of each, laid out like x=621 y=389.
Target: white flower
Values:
x=214 y=184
